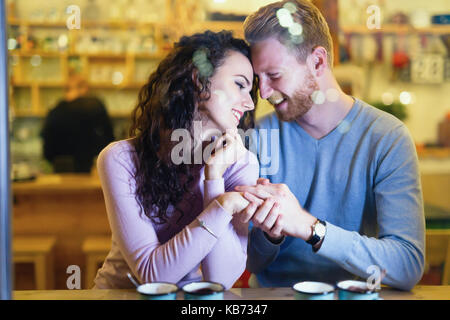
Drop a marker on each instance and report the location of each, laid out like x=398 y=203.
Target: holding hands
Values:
x=274 y=209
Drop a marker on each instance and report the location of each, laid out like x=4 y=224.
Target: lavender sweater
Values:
x=173 y=251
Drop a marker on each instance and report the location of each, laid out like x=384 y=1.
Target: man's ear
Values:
x=318 y=61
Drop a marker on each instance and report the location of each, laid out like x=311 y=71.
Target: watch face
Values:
x=320 y=230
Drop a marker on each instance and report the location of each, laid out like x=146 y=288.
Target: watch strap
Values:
x=315 y=238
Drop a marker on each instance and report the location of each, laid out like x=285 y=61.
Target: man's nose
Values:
x=264 y=89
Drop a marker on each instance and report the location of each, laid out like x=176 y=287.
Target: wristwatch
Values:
x=319 y=228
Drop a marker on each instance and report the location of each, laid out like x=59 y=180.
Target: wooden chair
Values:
x=95 y=249
x=37 y=250
x=438 y=251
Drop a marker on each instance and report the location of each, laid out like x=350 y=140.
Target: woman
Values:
x=170 y=217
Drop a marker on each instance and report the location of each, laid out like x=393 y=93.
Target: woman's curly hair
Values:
x=168 y=101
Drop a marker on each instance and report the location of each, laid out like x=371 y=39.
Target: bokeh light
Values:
x=117 y=78
x=405 y=97
x=344 y=126
x=36 y=60
x=318 y=97
x=284 y=18
x=290 y=7
x=387 y=98
x=12 y=43
x=63 y=41
x=222 y=96
x=201 y=62
x=296 y=29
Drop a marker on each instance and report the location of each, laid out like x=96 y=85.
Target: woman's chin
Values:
x=233 y=129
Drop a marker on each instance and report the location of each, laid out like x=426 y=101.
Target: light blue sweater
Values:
x=363 y=180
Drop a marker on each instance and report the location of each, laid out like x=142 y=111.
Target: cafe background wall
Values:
x=429 y=104
x=121 y=41
x=124 y=25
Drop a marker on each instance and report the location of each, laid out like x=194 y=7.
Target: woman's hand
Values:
x=233 y=202
x=224 y=156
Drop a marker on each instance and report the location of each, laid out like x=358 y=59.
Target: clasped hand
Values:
x=274 y=209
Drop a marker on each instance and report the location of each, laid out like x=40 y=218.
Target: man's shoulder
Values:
x=378 y=121
x=371 y=113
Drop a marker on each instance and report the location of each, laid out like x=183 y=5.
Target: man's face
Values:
x=283 y=80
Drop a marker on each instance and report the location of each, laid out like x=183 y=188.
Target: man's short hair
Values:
x=281 y=19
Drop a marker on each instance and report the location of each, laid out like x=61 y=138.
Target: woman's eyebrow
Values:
x=246 y=80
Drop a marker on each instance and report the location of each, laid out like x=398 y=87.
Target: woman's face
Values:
x=230 y=93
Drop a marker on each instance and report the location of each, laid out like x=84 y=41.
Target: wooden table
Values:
x=418 y=293
x=69 y=207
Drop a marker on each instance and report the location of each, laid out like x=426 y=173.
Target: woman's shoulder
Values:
x=117 y=152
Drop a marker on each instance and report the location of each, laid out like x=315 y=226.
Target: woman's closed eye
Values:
x=240 y=85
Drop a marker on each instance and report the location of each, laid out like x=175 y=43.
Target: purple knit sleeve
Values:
x=226 y=261
x=135 y=234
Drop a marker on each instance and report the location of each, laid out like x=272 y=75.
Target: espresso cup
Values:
x=203 y=290
x=158 y=291
x=356 y=290
x=311 y=290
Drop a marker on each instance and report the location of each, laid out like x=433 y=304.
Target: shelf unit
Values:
x=20 y=75
x=396 y=29
x=164 y=36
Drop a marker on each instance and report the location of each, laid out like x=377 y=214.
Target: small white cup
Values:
x=158 y=291
x=356 y=290
x=311 y=290
x=203 y=290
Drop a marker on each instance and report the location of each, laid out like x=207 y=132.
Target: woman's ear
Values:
x=196 y=81
x=317 y=61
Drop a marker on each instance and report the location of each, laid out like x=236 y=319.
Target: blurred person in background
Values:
x=77 y=129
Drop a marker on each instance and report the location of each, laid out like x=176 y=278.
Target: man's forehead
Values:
x=267 y=55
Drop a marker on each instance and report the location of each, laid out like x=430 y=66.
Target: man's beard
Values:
x=301 y=101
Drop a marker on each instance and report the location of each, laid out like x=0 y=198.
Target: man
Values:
x=346 y=200
x=76 y=130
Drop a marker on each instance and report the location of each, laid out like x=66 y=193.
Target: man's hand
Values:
x=275 y=210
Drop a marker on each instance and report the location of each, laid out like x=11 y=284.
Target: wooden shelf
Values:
x=94 y=85
x=100 y=55
x=42 y=84
x=44 y=54
x=86 y=24
x=438 y=153
x=110 y=85
x=19 y=113
x=396 y=29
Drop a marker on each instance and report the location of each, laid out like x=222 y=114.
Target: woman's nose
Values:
x=247 y=103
